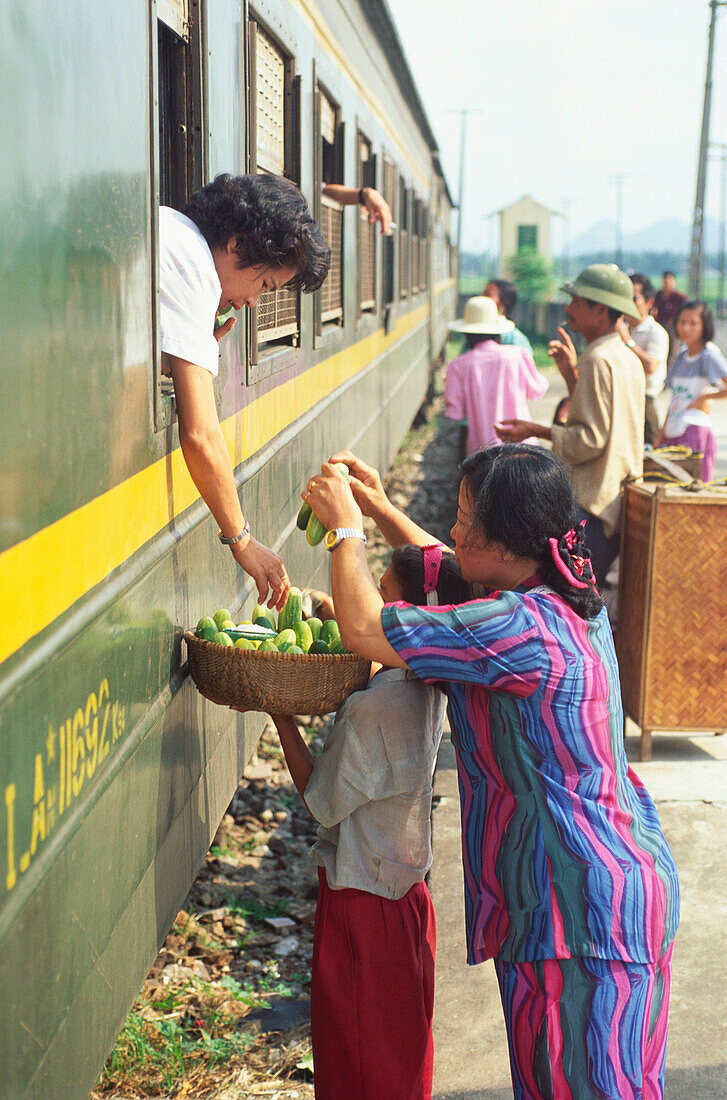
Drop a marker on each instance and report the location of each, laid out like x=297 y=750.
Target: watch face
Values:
x=330 y=540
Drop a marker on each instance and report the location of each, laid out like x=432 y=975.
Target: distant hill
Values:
x=664 y=236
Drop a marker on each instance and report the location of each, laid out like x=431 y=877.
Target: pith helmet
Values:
x=607 y=285
x=480 y=315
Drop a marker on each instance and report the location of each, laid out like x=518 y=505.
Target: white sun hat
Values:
x=480 y=315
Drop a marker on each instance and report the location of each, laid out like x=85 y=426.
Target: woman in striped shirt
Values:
x=570 y=885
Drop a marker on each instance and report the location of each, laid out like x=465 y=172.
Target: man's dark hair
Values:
x=270 y=222
x=407 y=562
x=472 y=339
x=665 y=273
x=508 y=295
x=523 y=497
x=707 y=317
x=647 y=289
x=613 y=314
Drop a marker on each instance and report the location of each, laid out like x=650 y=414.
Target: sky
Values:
x=572 y=94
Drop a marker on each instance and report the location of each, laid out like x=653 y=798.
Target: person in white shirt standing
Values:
x=236 y=238
x=649 y=341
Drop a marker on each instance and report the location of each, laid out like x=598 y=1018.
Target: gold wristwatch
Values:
x=332 y=538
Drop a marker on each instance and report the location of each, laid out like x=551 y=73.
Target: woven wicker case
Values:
x=671 y=639
x=274 y=683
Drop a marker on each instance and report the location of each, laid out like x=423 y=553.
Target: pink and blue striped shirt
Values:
x=563 y=852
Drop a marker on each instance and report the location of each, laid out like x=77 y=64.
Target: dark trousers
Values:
x=651 y=421
x=604 y=550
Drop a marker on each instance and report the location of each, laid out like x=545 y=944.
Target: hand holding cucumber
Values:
x=331 y=499
x=266 y=569
x=366 y=486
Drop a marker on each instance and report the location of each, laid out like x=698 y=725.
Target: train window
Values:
x=178 y=145
x=389 y=193
x=329 y=145
x=415 y=216
x=273 y=138
x=366 y=232
x=423 y=247
x=404 y=234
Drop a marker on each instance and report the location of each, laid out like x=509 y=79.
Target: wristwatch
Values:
x=332 y=538
x=631 y=343
x=230 y=540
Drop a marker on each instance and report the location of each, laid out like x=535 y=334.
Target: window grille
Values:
x=404 y=219
x=277 y=315
x=366 y=231
x=331 y=225
x=415 y=257
x=388 y=243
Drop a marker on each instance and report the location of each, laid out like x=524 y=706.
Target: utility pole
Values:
x=695 y=255
x=619 y=181
x=722 y=156
x=463 y=112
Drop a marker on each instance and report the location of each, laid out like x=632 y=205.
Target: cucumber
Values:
x=303 y=516
x=303 y=635
x=293 y=611
x=330 y=631
x=293 y=650
x=315 y=530
x=319 y=647
x=285 y=637
x=222 y=639
x=205 y=623
x=263 y=620
x=244 y=643
x=315 y=625
x=267 y=646
x=221 y=616
x=337 y=646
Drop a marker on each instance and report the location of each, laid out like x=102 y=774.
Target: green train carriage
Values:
x=114 y=771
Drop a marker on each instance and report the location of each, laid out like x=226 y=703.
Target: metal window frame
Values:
x=366 y=176
x=331 y=319
x=390 y=245
x=278 y=341
x=188 y=23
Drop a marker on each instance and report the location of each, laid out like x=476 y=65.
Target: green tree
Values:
x=532 y=275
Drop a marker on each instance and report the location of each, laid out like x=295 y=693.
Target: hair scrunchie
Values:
x=432 y=561
x=572 y=557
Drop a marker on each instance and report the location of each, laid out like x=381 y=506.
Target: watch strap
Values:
x=230 y=540
x=338 y=534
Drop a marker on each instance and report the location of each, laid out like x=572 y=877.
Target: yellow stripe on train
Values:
x=45 y=574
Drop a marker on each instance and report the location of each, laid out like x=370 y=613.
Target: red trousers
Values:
x=372 y=995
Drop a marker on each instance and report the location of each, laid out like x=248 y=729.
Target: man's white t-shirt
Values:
x=652 y=338
x=189 y=291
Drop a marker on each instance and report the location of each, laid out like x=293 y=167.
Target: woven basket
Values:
x=671 y=639
x=275 y=683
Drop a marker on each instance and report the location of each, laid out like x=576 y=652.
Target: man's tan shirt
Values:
x=603 y=438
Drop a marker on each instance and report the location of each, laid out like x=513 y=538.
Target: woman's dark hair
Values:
x=407 y=561
x=523 y=496
x=474 y=338
x=707 y=317
x=269 y=220
x=508 y=295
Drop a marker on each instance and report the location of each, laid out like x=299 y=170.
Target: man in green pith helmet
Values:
x=603 y=438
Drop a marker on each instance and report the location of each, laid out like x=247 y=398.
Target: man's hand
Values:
x=514 y=431
x=224 y=329
x=623 y=330
x=331 y=498
x=377 y=209
x=565 y=356
x=266 y=569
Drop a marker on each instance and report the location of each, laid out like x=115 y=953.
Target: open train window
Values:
x=329 y=146
x=178 y=140
x=404 y=238
x=273 y=147
x=389 y=243
x=366 y=177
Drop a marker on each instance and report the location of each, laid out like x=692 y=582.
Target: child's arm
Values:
x=298 y=756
